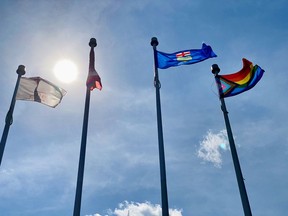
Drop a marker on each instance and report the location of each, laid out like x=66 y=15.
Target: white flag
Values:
x=39 y=90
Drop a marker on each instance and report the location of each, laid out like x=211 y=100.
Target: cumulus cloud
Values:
x=211 y=147
x=139 y=209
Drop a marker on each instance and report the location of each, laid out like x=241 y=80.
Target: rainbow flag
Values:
x=243 y=80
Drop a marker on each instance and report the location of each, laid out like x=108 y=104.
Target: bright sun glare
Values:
x=66 y=71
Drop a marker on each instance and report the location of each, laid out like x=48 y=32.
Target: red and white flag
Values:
x=93 y=79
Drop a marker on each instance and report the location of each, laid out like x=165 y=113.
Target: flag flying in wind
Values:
x=39 y=90
x=184 y=57
x=243 y=80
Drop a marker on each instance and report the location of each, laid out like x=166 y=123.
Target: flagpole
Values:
x=239 y=176
x=78 y=196
x=157 y=84
x=9 y=117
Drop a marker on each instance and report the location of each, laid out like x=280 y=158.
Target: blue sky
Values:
x=39 y=167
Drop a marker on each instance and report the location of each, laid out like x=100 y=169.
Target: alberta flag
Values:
x=241 y=81
x=39 y=90
x=185 y=57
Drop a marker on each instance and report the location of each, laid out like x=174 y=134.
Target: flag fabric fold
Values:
x=39 y=90
x=93 y=79
x=241 y=81
x=185 y=57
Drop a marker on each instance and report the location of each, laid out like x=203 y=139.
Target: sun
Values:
x=65 y=71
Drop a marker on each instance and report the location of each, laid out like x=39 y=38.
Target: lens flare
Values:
x=223 y=146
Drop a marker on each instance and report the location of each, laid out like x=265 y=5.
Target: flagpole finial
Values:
x=154 y=41
x=21 y=70
x=92 y=42
x=215 y=69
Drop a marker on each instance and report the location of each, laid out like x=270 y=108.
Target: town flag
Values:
x=243 y=80
x=185 y=57
x=39 y=90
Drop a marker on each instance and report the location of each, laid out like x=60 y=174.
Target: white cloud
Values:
x=211 y=146
x=94 y=215
x=139 y=209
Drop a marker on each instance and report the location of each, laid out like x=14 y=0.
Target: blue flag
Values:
x=185 y=57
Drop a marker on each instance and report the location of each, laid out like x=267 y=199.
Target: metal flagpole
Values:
x=239 y=176
x=9 y=117
x=157 y=84
x=78 y=196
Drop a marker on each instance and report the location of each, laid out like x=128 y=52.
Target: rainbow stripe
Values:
x=243 y=80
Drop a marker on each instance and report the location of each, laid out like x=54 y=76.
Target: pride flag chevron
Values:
x=241 y=81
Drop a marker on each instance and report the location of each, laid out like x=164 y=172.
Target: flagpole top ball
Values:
x=154 y=41
x=21 y=70
x=215 y=69
x=92 y=42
